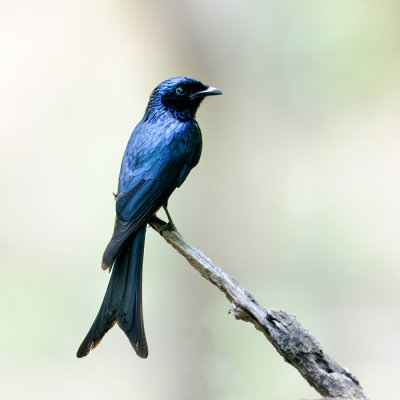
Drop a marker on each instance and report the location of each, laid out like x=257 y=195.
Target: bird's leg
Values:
x=170 y=224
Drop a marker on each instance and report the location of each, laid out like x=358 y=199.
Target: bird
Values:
x=163 y=148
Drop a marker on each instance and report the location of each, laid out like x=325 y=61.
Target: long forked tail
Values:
x=122 y=302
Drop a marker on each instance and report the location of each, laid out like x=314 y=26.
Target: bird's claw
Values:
x=169 y=226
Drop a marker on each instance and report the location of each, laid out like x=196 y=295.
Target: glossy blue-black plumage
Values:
x=158 y=158
x=163 y=148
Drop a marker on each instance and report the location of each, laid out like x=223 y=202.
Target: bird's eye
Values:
x=180 y=91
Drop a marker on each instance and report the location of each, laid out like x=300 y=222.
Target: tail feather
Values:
x=122 y=302
x=130 y=314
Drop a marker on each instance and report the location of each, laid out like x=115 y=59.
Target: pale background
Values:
x=296 y=195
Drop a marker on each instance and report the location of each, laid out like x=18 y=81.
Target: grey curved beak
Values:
x=210 y=91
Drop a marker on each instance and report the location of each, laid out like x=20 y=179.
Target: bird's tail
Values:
x=122 y=302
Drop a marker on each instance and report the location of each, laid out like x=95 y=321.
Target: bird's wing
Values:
x=156 y=161
x=147 y=193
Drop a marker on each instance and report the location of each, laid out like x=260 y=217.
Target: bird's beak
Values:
x=210 y=91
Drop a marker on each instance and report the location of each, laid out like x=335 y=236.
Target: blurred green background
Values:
x=296 y=195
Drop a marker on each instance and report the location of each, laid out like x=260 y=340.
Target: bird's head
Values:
x=181 y=96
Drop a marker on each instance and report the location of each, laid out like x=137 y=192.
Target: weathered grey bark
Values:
x=294 y=343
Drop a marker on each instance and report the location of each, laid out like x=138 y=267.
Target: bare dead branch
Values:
x=294 y=343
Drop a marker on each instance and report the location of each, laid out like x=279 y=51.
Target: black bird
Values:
x=163 y=148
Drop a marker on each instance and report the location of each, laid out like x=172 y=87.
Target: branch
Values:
x=294 y=343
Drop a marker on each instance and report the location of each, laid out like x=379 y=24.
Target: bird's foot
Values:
x=169 y=226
